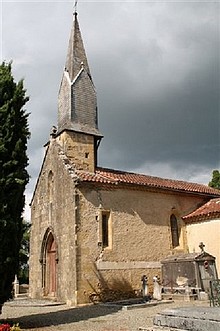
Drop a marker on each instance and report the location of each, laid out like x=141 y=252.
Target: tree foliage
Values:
x=14 y=134
x=23 y=274
x=215 y=182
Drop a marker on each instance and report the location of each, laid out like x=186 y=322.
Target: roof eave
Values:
x=201 y=217
x=119 y=184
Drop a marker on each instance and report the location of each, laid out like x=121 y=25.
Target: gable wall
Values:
x=140 y=236
x=55 y=210
x=208 y=232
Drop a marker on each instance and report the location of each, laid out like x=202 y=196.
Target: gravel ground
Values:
x=33 y=317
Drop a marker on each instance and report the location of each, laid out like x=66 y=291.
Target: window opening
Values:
x=174 y=230
x=105 y=230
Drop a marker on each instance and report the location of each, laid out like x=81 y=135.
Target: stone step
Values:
x=21 y=295
x=189 y=318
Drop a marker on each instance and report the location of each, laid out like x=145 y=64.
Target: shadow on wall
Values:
x=142 y=205
x=111 y=290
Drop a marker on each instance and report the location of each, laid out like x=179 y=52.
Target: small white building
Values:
x=203 y=225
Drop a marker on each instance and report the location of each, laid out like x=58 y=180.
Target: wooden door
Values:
x=51 y=267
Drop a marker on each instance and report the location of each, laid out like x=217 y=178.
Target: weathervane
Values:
x=75 y=6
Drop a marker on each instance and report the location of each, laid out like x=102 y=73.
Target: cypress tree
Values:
x=14 y=133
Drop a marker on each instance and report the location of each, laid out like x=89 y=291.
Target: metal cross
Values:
x=75 y=6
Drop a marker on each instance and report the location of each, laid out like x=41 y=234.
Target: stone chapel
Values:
x=96 y=231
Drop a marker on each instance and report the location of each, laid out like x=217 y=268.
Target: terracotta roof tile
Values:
x=208 y=210
x=116 y=177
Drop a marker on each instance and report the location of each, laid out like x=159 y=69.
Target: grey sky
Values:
x=157 y=73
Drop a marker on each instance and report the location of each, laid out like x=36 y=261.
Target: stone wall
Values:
x=79 y=148
x=53 y=208
x=140 y=236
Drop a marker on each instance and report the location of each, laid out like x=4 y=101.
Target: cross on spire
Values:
x=75 y=7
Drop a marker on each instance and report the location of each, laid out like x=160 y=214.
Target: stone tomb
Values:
x=187 y=276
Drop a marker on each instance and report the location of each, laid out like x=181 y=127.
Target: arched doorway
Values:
x=49 y=264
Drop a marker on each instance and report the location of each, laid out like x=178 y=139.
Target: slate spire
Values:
x=77 y=102
x=76 y=55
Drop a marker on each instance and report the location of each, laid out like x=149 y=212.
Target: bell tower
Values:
x=78 y=131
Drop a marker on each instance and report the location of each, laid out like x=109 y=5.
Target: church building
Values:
x=96 y=231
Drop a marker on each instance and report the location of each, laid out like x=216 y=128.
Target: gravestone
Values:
x=157 y=289
x=144 y=287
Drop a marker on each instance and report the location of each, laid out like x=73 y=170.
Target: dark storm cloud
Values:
x=180 y=125
x=156 y=70
x=161 y=98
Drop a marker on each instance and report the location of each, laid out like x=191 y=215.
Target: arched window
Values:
x=174 y=230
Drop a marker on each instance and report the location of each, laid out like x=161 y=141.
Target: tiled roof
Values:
x=209 y=210
x=115 y=177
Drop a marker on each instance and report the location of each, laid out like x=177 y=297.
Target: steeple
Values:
x=77 y=102
x=76 y=55
x=78 y=131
